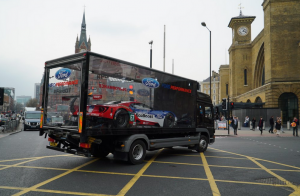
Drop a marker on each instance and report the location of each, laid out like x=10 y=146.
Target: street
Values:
x=231 y=166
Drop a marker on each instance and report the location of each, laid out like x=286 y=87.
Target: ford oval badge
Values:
x=150 y=82
x=63 y=74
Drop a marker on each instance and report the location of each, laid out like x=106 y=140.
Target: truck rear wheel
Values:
x=203 y=144
x=121 y=119
x=137 y=152
x=98 y=151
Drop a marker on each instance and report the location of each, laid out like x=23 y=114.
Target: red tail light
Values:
x=51 y=140
x=84 y=145
x=103 y=109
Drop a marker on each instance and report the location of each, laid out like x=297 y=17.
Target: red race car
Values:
x=122 y=114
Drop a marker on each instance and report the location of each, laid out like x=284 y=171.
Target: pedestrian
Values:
x=281 y=129
x=246 y=123
x=235 y=125
x=295 y=124
x=261 y=124
x=253 y=123
x=278 y=126
x=271 y=124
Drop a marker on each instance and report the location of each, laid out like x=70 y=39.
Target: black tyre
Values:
x=121 y=119
x=203 y=144
x=97 y=151
x=137 y=152
x=169 y=120
x=24 y=129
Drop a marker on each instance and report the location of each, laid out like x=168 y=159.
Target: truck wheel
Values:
x=121 y=118
x=98 y=151
x=169 y=120
x=137 y=152
x=203 y=143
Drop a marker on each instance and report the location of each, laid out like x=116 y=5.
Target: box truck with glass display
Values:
x=122 y=108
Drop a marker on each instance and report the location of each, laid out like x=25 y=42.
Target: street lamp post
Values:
x=203 y=24
x=151 y=42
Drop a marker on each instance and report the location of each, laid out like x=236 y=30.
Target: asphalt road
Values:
x=231 y=166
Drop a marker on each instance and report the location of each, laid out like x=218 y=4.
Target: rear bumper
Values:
x=75 y=152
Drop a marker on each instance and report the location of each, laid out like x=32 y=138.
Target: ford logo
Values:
x=143 y=92
x=63 y=74
x=150 y=82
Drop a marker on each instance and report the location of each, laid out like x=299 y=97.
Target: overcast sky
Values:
x=33 y=32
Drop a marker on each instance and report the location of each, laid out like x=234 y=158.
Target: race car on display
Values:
x=122 y=114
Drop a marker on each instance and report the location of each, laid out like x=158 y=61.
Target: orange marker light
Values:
x=80 y=122
x=42 y=118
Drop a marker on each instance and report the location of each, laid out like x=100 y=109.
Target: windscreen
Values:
x=122 y=95
x=32 y=115
x=64 y=94
x=57 y=119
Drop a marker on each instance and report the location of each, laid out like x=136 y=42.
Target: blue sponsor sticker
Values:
x=150 y=82
x=159 y=116
x=63 y=74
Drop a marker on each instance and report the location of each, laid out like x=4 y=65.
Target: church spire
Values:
x=83 y=44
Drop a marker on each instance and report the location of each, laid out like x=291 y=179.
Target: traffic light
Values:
x=1 y=96
x=231 y=105
x=224 y=104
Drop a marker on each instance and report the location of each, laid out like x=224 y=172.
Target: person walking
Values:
x=261 y=124
x=271 y=121
x=253 y=123
x=278 y=126
x=235 y=125
x=295 y=124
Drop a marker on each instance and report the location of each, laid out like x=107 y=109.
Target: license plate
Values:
x=53 y=144
x=33 y=126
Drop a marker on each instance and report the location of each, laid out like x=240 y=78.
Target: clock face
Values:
x=243 y=31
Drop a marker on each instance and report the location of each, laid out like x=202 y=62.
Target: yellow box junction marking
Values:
x=210 y=177
x=130 y=184
x=33 y=188
x=253 y=159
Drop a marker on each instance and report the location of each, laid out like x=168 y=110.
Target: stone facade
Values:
x=266 y=69
x=215 y=87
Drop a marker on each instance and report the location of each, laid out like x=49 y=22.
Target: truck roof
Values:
x=82 y=56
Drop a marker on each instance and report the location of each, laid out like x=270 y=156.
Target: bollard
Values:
x=288 y=125
x=264 y=124
x=250 y=123
x=239 y=125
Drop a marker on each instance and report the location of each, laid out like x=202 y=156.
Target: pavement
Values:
x=246 y=132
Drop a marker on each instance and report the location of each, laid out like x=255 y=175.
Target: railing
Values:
x=9 y=125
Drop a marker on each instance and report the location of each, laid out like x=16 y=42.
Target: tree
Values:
x=32 y=103
x=19 y=107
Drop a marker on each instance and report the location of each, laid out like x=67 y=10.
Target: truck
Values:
x=122 y=108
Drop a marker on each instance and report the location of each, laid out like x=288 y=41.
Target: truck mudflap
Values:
x=83 y=152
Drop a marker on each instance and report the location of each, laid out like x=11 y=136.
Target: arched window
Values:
x=226 y=89
x=245 y=76
x=263 y=76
